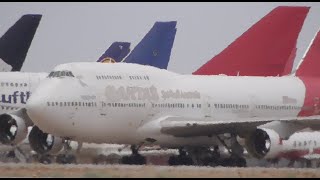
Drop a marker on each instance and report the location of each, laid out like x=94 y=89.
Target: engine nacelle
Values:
x=13 y=129
x=264 y=143
x=44 y=143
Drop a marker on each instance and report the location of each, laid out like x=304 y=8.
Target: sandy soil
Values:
x=39 y=170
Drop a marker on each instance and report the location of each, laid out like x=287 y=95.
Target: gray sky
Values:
x=74 y=32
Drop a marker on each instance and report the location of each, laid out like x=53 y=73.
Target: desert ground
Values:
x=89 y=170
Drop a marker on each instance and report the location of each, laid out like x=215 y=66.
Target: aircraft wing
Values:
x=184 y=127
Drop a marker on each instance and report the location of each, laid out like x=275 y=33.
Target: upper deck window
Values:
x=60 y=74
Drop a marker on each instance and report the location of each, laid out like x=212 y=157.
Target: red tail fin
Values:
x=288 y=68
x=310 y=64
x=264 y=49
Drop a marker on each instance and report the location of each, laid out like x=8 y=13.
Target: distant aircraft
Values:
x=266 y=49
x=153 y=50
x=115 y=53
x=301 y=146
x=155 y=47
x=15 y=43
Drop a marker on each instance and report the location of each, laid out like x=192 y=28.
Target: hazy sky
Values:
x=73 y=32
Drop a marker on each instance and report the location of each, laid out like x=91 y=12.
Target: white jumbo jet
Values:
x=16 y=88
x=13 y=138
x=111 y=103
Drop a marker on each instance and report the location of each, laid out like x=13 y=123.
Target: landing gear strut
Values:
x=134 y=158
x=67 y=157
x=236 y=158
x=182 y=159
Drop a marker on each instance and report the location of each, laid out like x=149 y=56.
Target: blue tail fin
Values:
x=155 y=48
x=117 y=51
x=15 y=43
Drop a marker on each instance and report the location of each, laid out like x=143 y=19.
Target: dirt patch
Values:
x=38 y=170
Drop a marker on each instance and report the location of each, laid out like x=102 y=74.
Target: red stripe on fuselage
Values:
x=296 y=154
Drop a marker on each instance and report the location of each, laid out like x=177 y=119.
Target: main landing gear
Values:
x=182 y=159
x=208 y=156
x=235 y=150
x=134 y=158
x=67 y=157
x=200 y=156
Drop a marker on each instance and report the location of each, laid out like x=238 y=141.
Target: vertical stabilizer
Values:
x=264 y=49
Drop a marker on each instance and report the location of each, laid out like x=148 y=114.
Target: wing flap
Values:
x=186 y=127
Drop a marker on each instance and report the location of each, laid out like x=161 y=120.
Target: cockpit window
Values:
x=51 y=74
x=60 y=74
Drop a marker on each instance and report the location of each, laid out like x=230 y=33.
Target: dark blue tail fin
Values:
x=15 y=43
x=155 y=48
x=116 y=52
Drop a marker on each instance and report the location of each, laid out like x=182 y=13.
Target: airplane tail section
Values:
x=116 y=52
x=264 y=49
x=290 y=62
x=310 y=63
x=155 y=48
x=15 y=43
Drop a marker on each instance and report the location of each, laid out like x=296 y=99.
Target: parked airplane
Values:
x=17 y=86
x=301 y=146
x=162 y=108
x=115 y=53
x=155 y=48
x=15 y=43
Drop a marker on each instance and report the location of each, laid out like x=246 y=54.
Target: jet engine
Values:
x=264 y=143
x=13 y=129
x=44 y=143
